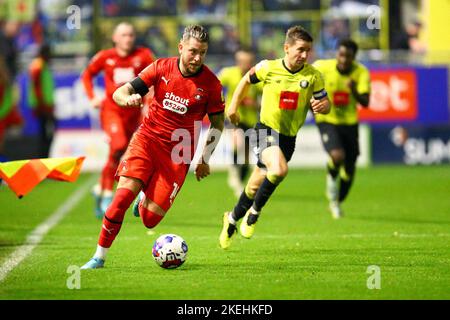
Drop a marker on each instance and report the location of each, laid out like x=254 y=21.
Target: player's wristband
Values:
x=139 y=86
x=253 y=78
x=320 y=94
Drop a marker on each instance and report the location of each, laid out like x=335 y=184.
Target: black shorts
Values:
x=265 y=137
x=343 y=137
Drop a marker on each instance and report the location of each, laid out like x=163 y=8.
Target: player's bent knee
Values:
x=130 y=183
x=338 y=156
x=278 y=172
x=150 y=218
x=277 y=176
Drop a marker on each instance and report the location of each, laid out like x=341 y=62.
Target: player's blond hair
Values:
x=297 y=33
x=122 y=25
x=195 y=31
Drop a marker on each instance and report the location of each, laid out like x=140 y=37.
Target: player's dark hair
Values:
x=349 y=44
x=297 y=33
x=197 y=32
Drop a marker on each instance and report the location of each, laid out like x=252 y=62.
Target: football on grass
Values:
x=170 y=251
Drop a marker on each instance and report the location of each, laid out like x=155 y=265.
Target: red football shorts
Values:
x=146 y=160
x=119 y=125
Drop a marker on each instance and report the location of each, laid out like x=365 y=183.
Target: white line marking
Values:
x=36 y=236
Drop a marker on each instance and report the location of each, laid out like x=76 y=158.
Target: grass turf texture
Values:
x=397 y=218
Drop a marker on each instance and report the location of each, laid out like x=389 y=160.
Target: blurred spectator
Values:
x=231 y=39
x=158 y=40
x=224 y=39
x=408 y=39
x=333 y=31
x=265 y=37
x=9 y=116
x=400 y=40
x=413 y=31
x=41 y=100
x=8 y=33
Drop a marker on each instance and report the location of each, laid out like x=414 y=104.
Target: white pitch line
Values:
x=36 y=236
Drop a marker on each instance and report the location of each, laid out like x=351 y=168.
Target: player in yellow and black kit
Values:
x=348 y=84
x=248 y=116
x=290 y=88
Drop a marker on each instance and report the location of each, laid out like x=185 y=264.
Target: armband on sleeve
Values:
x=139 y=86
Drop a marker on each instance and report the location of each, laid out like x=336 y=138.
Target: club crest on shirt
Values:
x=199 y=96
x=304 y=84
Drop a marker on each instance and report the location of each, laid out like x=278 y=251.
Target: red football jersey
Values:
x=179 y=102
x=117 y=70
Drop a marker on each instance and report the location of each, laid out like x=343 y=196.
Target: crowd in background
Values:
x=21 y=43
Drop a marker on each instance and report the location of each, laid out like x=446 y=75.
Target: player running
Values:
x=348 y=84
x=290 y=88
x=248 y=116
x=119 y=65
x=185 y=91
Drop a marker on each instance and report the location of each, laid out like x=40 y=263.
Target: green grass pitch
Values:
x=397 y=218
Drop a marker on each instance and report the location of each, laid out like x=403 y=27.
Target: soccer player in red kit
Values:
x=119 y=65
x=185 y=90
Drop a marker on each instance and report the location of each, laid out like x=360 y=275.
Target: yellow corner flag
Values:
x=23 y=175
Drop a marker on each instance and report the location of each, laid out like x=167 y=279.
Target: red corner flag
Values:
x=23 y=175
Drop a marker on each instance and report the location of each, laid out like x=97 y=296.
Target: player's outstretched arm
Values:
x=125 y=96
x=238 y=96
x=362 y=99
x=87 y=80
x=320 y=106
x=213 y=137
x=96 y=65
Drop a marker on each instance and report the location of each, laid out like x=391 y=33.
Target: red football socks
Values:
x=112 y=221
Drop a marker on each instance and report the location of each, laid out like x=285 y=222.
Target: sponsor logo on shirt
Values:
x=123 y=75
x=175 y=103
x=288 y=100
